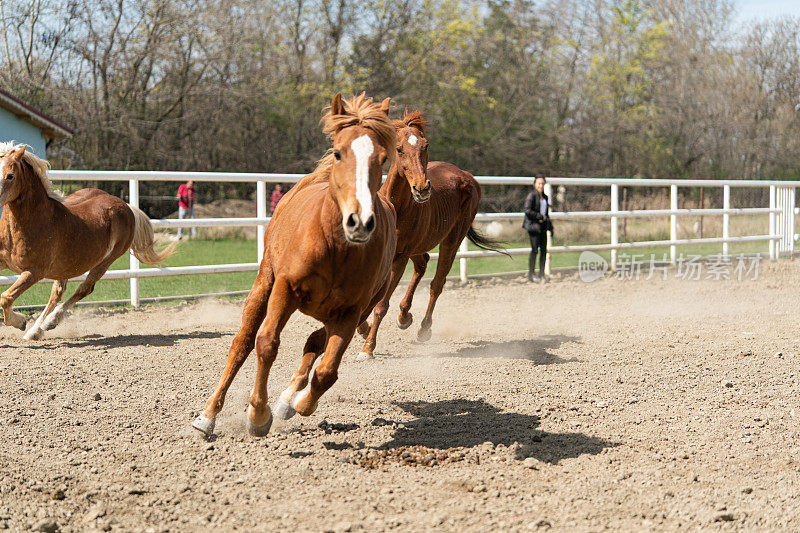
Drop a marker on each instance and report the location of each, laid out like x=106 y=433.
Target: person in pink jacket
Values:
x=275 y=197
x=186 y=198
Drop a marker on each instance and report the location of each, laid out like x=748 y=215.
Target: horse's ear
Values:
x=16 y=155
x=337 y=108
x=385 y=106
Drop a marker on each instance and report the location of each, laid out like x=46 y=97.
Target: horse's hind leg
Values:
x=447 y=254
x=315 y=344
x=255 y=309
x=26 y=280
x=282 y=304
x=36 y=331
x=324 y=376
x=83 y=290
x=398 y=267
x=420 y=265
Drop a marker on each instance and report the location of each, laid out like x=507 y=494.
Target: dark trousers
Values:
x=538 y=244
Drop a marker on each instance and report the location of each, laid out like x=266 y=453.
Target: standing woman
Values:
x=537 y=223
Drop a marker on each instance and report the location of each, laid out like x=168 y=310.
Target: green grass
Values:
x=200 y=252
x=191 y=252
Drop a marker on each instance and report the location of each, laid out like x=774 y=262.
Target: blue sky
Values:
x=759 y=9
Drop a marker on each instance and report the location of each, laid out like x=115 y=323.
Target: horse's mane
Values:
x=360 y=110
x=40 y=167
x=412 y=119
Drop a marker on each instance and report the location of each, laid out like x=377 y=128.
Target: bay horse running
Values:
x=44 y=235
x=436 y=204
x=327 y=252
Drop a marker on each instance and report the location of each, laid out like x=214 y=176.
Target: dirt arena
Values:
x=623 y=405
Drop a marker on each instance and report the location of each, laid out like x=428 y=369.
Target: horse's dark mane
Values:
x=412 y=119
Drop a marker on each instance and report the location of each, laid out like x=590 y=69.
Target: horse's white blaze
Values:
x=363 y=148
x=412 y=140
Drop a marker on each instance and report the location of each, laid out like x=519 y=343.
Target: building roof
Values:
x=50 y=127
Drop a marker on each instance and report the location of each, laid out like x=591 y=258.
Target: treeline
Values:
x=660 y=88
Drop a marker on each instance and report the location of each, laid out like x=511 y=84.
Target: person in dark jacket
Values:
x=537 y=223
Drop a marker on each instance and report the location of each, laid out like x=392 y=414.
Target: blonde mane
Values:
x=40 y=167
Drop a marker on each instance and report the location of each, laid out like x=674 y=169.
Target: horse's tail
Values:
x=482 y=241
x=143 y=246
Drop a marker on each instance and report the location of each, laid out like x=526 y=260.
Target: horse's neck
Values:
x=396 y=189
x=32 y=204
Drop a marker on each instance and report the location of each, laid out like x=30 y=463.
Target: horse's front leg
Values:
x=420 y=265
x=25 y=281
x=282 y=304
x=315 y=344
x=255 y=309
x=324 y=376
x=398 y=267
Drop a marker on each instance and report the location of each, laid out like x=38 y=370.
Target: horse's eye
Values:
x=10 y=177
x=337 y=154
x=399 y=149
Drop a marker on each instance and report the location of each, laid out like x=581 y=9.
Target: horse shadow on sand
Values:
x=102 y=342
x=535 y=350
x=469 y=423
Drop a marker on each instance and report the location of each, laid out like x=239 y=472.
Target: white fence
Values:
x=781 y=212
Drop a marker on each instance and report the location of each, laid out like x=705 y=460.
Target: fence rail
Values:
x=781 y=212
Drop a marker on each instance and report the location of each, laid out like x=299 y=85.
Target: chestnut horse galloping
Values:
x=436 y=204
x=327 y=252
x=44 y=235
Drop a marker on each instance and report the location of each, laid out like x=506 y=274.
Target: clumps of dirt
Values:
x=372 y=459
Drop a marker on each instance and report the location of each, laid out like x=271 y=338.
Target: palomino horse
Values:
x=327 y=252
x=435 y=204
x=44 y=235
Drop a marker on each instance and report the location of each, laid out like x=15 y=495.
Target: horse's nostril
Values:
x=427 y=185
x=352 y=221
x=370 y=225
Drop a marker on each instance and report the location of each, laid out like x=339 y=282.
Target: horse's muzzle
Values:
x=421 y=195
x=355 y=230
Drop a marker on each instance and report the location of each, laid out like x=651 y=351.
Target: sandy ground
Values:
x=622 y=405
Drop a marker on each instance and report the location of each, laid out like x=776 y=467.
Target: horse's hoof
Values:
x=363 y=356
x=204 y=425
x=424 y=335
x=22 y=326
x=33 y=334
x=402 y=325
x=282 y=410
x=50 y=322
x=300 y=397
x=259 y=431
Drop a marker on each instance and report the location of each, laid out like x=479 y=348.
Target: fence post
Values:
x=614 y=225
x=772 y=219
x=726 y=219
x=462 y=263
x=548 y=190
x=673 y=223
x=261 y=212
x=133 y=193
